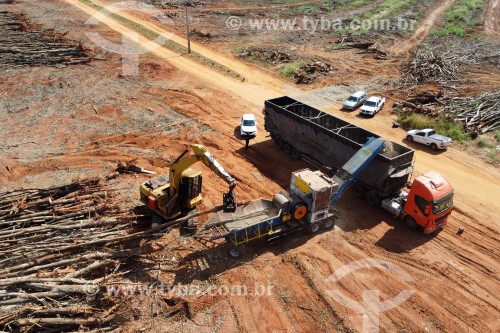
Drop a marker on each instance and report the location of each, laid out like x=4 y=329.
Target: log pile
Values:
x=348 y=42
x=310 y=71
x=21 y=44
x=429 y=66
x=443 y=63
x=60 y=247
x=479 y=114
x=47 y=260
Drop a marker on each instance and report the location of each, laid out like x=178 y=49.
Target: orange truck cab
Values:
x=429 y=202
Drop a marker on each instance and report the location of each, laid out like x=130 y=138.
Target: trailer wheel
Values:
x=236 y=252
x=328 y=224
x=359 y=191
x=299 y=211
x=313 y=228
x=409 y=138
x=373 y=199
x=434 y=146
x=410 y=223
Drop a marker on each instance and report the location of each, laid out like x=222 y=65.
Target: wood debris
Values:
x=479 y=114
x=60 y=247
x=21 y=44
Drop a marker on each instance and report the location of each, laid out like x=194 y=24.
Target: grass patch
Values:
x=453 y=29
x=442 y=126
x=482 y=143
x=459 y=17
x=289 y=70
x=497 y=135
x=493 y=157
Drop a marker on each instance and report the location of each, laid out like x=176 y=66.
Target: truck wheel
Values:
x=313 y=228
x=373 y=199
x=359 y=191
x=299 y=211
x=409 y=138
x=328 y=224
x=410 y=223
x=434 y=146
x=236 y=252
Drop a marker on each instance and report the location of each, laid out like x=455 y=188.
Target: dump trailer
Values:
x=307 y=206
x=329 y=142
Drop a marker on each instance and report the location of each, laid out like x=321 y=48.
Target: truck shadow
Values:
x=213 y=261
x=400 y=239
x=421 y=147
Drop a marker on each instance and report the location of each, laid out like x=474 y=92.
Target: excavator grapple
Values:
x=229 y=202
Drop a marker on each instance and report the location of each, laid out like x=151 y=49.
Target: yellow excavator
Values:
x=179 y=191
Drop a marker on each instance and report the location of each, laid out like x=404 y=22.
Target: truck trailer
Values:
x=328 y=142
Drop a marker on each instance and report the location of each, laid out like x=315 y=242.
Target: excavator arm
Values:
x=201 y=154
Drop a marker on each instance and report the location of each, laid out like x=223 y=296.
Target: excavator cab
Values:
x=190 y=188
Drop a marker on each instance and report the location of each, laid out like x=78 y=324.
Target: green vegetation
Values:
x=459 y=17
x=452 y=29
x=389 y=8
x=289 y=70
x=482 y=143
x=493 y=156
x=497 y=135
x=442 y=126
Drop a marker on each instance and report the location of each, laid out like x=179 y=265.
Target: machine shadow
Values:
x=213 y=260
x=272 y=162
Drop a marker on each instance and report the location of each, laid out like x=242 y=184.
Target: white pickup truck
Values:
x=429 y=137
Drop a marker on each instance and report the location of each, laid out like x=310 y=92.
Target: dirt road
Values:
x=455 y=277
x=492 y=19
x=252 y=89
x=424 y=29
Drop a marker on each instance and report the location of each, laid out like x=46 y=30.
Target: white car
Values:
x=248 y=126
x=373 y=105
x=355 y=100
x=429 y=138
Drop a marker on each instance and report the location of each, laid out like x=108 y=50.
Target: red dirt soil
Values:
x=455 y=277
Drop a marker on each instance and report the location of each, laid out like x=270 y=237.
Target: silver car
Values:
x=355 y=100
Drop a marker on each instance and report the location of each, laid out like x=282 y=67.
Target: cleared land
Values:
x=71 y=120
